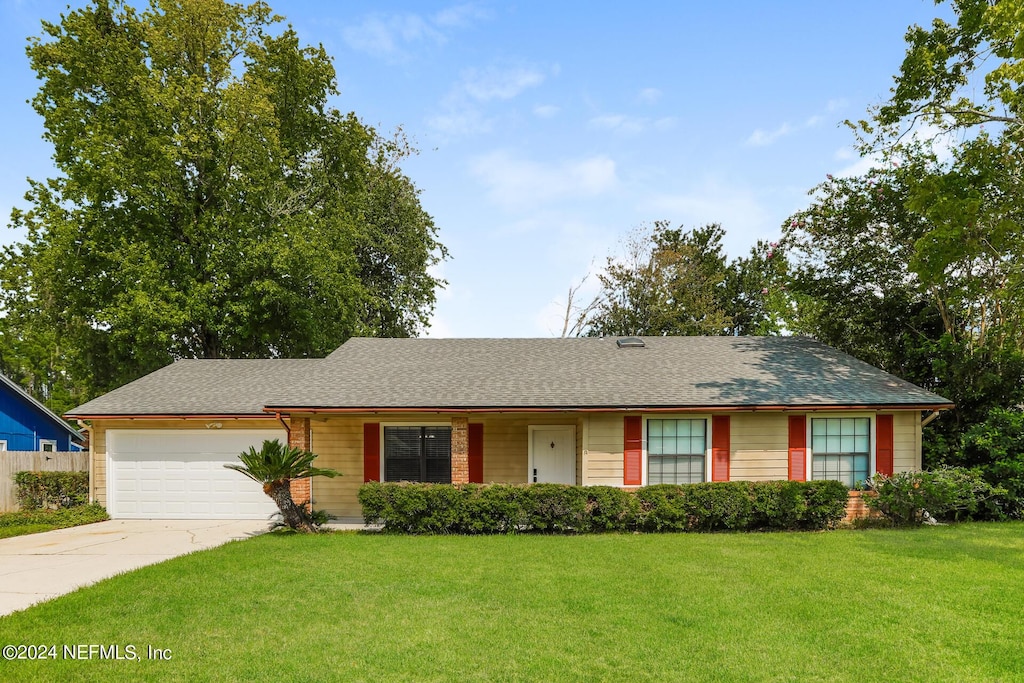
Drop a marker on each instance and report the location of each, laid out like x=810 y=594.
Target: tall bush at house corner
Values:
x=274 y=466
x=996 y=448
x=950 y=493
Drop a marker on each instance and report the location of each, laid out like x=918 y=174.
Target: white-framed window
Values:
x=841 y=449
x=3 y=445
x=417 y=453
x=48 y=445
x=677 y=450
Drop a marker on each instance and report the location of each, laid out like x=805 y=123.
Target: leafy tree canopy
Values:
x=209 y=202
x=671 y=281
x=962 y=74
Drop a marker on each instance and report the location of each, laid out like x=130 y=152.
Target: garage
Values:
x=180 y=474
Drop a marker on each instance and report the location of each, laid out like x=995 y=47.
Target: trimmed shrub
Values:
x=826 y=504
x=610 y=508
x=51 y=490
x=948 y=493
x=557 y=508
x=780 y=505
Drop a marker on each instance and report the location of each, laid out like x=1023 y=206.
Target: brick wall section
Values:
x=299 y=438
x=460 y=450
x=856 y=508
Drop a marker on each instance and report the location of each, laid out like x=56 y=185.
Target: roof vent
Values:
x=630 y=343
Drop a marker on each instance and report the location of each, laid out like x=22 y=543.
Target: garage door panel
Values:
x=181 y=475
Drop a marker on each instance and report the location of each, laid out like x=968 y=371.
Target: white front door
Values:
x=552 y=454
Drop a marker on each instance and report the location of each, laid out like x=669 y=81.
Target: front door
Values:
x=552 y=454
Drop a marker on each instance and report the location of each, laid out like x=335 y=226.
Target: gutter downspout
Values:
x=287 y=429
x=87 y=428
x=927 y=420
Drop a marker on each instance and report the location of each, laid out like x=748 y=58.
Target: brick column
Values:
x=460 y=450
x=302 y=489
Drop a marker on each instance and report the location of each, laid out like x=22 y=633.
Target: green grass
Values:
x=34 y=521
x=934 y=604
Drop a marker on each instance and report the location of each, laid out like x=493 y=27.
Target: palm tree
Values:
x=274 y=466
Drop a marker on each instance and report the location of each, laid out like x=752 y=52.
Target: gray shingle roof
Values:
x=669 y=372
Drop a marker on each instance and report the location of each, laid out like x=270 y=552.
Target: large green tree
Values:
x=209 y=202
x=672 y=281
x=910 y=267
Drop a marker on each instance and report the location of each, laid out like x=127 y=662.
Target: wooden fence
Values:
x=35 y=461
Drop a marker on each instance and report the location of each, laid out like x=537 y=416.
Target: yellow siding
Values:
x=339 y=443
x=906 y=436
x=760 y=446
x=604 y=450
x=98 y=441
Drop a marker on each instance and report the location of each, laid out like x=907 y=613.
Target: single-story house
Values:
x=28 y=425
x=620 y=412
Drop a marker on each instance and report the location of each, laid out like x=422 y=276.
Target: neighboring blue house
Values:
x=28 y=425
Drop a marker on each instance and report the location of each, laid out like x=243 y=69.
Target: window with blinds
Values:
x=421 y=454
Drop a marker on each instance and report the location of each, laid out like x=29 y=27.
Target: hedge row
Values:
x=557 y=508
x=51 y=490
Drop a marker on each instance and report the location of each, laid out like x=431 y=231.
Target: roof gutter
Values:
x=606 y=409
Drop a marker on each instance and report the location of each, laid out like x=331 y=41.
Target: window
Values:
x=418 y=454
x=47 y=445
x=841 y=448
x=675 y=451
x=3 y=445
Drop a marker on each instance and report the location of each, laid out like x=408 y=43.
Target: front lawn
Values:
x=34 y=521
x=934 y=604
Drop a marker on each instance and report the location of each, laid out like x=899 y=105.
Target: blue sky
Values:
x=549 y=130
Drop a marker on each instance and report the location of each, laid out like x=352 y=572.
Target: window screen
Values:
x=675 y=451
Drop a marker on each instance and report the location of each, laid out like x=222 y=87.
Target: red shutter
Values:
x=371 y=451
x=476 y=454
x=720 y=448
x=632 y=451
x=797 y=448
x=883 y=445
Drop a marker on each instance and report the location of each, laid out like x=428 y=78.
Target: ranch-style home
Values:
x=615 y=411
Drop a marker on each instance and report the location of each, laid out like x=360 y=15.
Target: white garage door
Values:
x=180 y=474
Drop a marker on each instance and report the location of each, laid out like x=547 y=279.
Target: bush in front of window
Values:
x=557 y=508
x=948 y=493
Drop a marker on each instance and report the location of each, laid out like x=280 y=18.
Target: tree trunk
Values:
x=281 y=493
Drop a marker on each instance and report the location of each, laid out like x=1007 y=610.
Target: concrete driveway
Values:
x=42 y=566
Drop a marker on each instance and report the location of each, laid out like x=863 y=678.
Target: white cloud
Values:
x=516 y=183
x=761 y=138
x=462 y=110
x=835 y=105
x=738 y=210
x=388 y=35
x=455 y=122
x=546 y=111
x=630 y=125
x=384 y=35
x=495 y=83
x=618 y=122
x=460 y=15
x=649 y=95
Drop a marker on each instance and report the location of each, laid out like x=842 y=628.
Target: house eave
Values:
x=343 y=410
